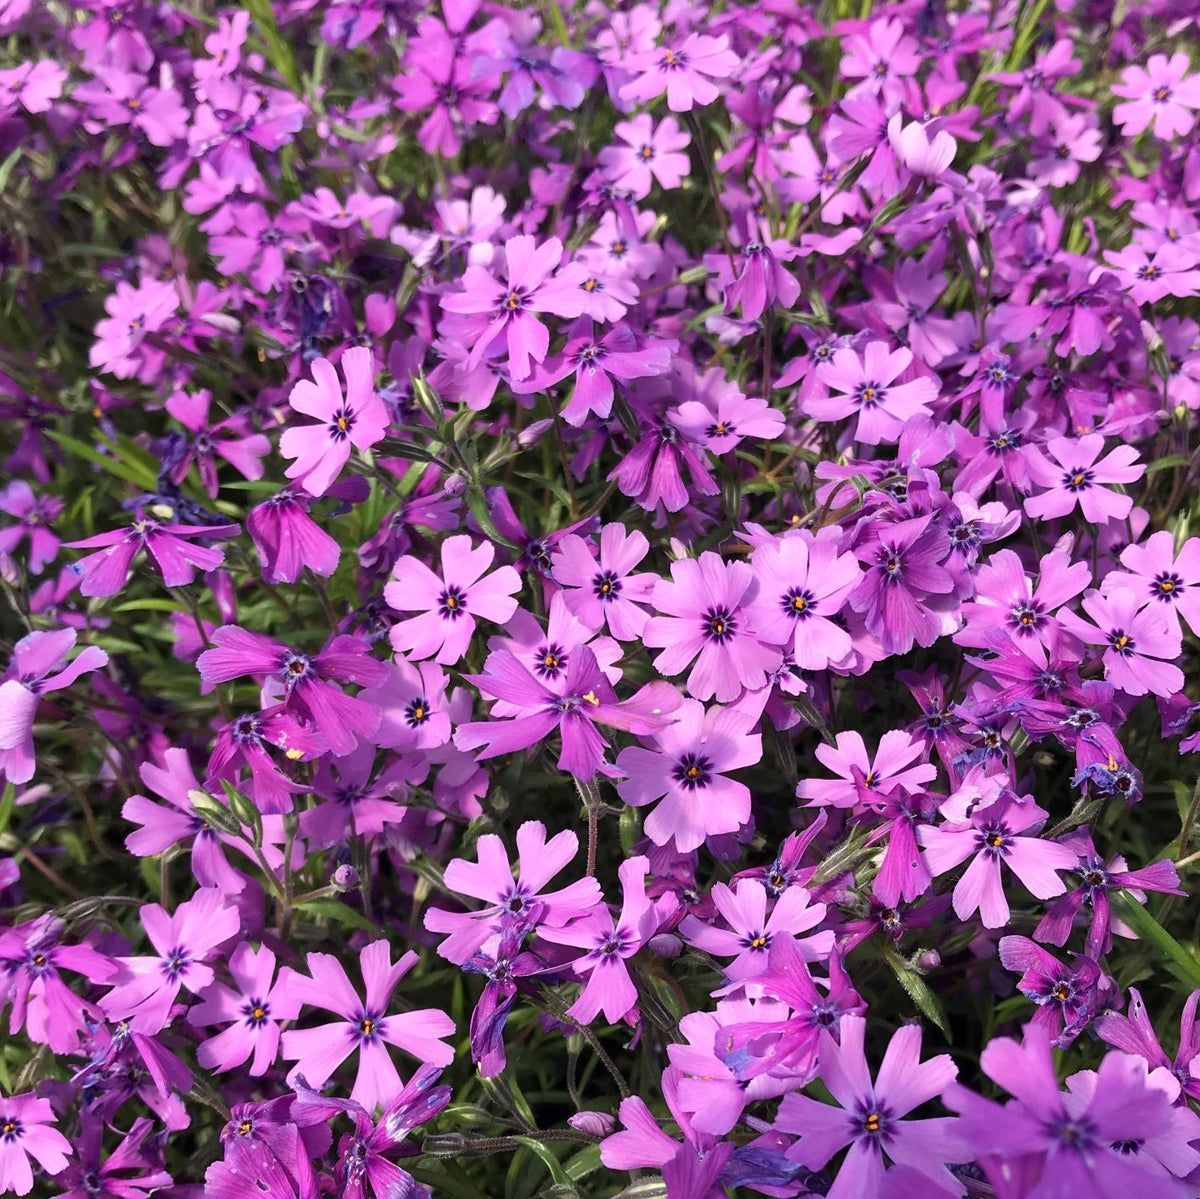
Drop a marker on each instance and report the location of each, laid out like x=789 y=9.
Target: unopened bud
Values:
x=428 y=400
x=345 y=878
x=930 y=959
x=532 y=434
x=457 y=484
x=665 y=945
x=597 y=1124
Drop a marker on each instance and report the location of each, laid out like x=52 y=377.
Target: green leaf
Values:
x=916 y=989
x=8 y=803
x=6 y=167
x=585 y=1162
x=478 y=504
x=148 y=605
x=1177 y=959
x=336 y=910
x=279 y=52
x=1167 y=463
x=131 y=472
x=551 y=1162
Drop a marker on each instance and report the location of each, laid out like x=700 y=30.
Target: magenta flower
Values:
x=1168 y=583
x=574 y=706
x=288 y=540
x=685 y=772
x=514 y=905
x=1160 y=93
x=449 y=605
x=35 y=515
x=751 y=932
x=683 y=70
x=1142 y=645
x=1085 y=1141
x=1073 y=477
x=916 y=150
x=147 y=987
x=1134 y=1033
x=306 y=680
x=762 y=281
x=116 y=98
x=38 y=665
x=868 y=388
x=1067 y=997
x=168 y=546
x=34 y=86
x=229 y=439
x=993 y=837
x=244 y=741
x=490 y=307
x=650 y=153
x=719 y=422
x=882 y=57
x=870 y=1115
x=358 y=419
x=365 y=1025
x=25 y=1133
x=609 y=987
x=865 y=780
x=601 y=591
x=1148 y=277
x=803 y=582
x=708 y=621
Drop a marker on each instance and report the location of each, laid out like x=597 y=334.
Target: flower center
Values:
x=1166 y=586
x=256 y=1012
x=550 y=661
x=417 y=712
x=10 y=1128
x=1121 y=642
x=1078 y=480
x=607 y=586
x=692 y=771
x=452 y=603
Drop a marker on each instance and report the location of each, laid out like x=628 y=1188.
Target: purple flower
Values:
x=993 y=837
x=365 y=1025
x=1073 y=478
x=450 y=604
x=870 y=1115
x=651 y=152
x=134 y=313
x=133 y=1170
x=38 y=665
x=602 y=591
x=35 y=515
x=708 y=621
x=685 y=773
x=34 y=86
x=1160 y=93
x=1044 y=1143
x=288 y=540
x=683 y=70
x=865 y=780
x=358 y=419
x=609 y=987
x=1141 y=645
x=868 y=388
x=304 y=679
x=107 y=571
x=1067 y=997
x=243 y=742
x=147 y=987
x=1134 y=1033
x=253 y=1013
x=752 y=932
x=514 y=905
x=25 y=1133
x=1164 y=581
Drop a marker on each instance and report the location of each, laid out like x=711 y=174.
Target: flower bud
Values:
x=665 y=945
x=345 y=878
x=597 y=1124
x=930 y=959
x=456 y=484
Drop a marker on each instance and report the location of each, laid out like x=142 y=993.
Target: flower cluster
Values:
x=599 y=588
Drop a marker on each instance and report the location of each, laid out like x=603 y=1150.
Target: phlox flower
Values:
x=250 y=1166
x=600 y=589
x=324 y=207
x=146 y=987
x=881 y=58
x=609 y=943
x=869 y=1116
x=168 y=546
x=1072 y=139
x=412 y=700
x=514 y=905
x=1169 y=271
x=719 y=422
x=685 y=772
x=133 y=1170
x=867 y=389
x=684 y=70
x=34 y=86
x=35 y=514
x=574 y=706
x=1165 y=581
x=1090 y=1139
x=358 y=419
x=38 y=665
x=1161 y=93
x=761 y=282
x=803 y=582
x=253 y=1013
x=355 y=799
x=1132 y=1032
x=1067 y=997
x=115 y=98
x=652 y=471
x=288 y=540
x=1141 y=645
x=705 y=618
x=449 y=605
x=992 y=837
x=751 y=932
x=502 y=968
x=492 y=308
x=920 y=153
x=650 y=152
x=863 y=779
x=365 y=1025
x=306 y=680
x=245 y=741
x=26 y=1132
x=228 y=439
x=1073 y=474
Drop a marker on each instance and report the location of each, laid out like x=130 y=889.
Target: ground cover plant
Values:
x=599 y=599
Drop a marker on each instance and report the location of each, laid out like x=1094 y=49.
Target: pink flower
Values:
x=253 y=1013
x=685 y=772
x=133 y=314
x=603 y=591
x=882 y=58
x=33 y=85
x=25 y=1133
x=919 y=152
x=34 y=516
x=684 y=71
x=1142 y=645
x=1160 y=92
x=1168 y=271
x=169 y=546
x=1073 y=477
x=365 y=1025
x=147 y=987
x=863 y=780
x=449 y=605
x=1170 y=583
x=650 y=152
x=720 y=421
x=708 y=621
x=358 y=420
x=30 y=674
x=867 y=384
